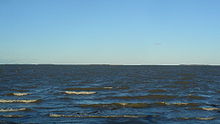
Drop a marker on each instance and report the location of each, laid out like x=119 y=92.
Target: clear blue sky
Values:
x=110 y=31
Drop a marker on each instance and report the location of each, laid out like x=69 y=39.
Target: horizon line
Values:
x=112 y=64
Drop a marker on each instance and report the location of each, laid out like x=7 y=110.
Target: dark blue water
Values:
x=102 y=94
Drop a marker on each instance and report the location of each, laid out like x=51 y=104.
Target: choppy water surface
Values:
x=102 y=94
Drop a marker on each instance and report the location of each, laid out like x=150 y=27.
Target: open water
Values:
x=109 y=94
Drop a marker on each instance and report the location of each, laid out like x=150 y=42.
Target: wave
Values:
x=19 y=94
x=158 y=97
x=145 y=97
x=92 y=88
x=184 y=104
x=157 y=91
x=195 y=97
x=130 y=105
x=173 y=104
x=197 y=118
x=206 y=109
x=18 y=101
x=46 y=107
x=108 y=87
x=13 y=110
x=79 y=93
x=138 y=105
x=85 y=116
x=183 y=82
x=12 y=116
x=19 y=90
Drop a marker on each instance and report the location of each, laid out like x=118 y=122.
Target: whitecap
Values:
x=13 y=110
x=210 y=109
x=17 y=101
x=20 y=94
x=79 y=93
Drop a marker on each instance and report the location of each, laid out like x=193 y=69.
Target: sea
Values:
x=109 y=94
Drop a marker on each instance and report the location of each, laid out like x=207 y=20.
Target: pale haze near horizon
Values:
x=109 y=32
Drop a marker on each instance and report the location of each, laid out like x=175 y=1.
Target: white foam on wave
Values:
x=205 y=118
x=79 y=93
x=20 y=94
x=210 y=109
x=108 y=87
x=17 y=101
x=12 y=110
x=198 y=118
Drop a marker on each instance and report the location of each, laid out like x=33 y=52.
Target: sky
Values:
x=148 y=32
